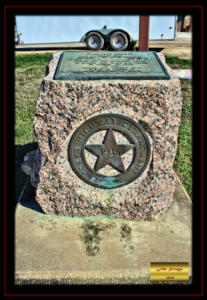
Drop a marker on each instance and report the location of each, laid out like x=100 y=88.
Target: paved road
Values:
x=49 y=45
x=179 y=47
x=180 y=42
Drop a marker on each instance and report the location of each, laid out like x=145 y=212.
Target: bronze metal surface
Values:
x=94 y=65
x=109 y=152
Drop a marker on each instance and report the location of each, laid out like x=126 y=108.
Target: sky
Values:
x=53 y=29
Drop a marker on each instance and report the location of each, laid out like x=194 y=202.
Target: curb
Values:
x=82 y=277
x=183 y=189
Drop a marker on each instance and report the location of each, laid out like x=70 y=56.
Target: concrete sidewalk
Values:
x=54 y=249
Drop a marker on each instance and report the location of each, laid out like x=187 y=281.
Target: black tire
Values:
x=97 y=37
x=122 y=45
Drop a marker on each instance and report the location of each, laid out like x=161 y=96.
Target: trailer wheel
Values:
x=119 y=41
x=94 y=41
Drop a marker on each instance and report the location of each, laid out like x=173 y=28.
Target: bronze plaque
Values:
x=92 y=65
x=109 y=163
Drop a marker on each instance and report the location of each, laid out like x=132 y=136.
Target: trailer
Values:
x=96 y=31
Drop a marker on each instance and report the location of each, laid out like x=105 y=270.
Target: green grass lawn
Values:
x=29 y=72
x=183 y=160
x=178 y=63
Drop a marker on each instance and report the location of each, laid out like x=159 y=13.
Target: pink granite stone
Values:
x=63 y=106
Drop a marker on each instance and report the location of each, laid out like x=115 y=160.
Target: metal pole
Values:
x=144 y=33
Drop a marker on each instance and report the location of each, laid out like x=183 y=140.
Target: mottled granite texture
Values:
x=63 y=106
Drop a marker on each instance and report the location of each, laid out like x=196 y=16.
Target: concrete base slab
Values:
x=54 y=249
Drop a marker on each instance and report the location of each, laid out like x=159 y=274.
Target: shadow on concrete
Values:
x=20 y=149
x=27 y=198
x=156 y=49
x=20 y=176
x=25 y=192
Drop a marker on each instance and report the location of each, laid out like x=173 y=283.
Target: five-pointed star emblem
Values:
x=109 y=153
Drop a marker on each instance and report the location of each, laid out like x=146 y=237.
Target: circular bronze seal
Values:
x=109 y=151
